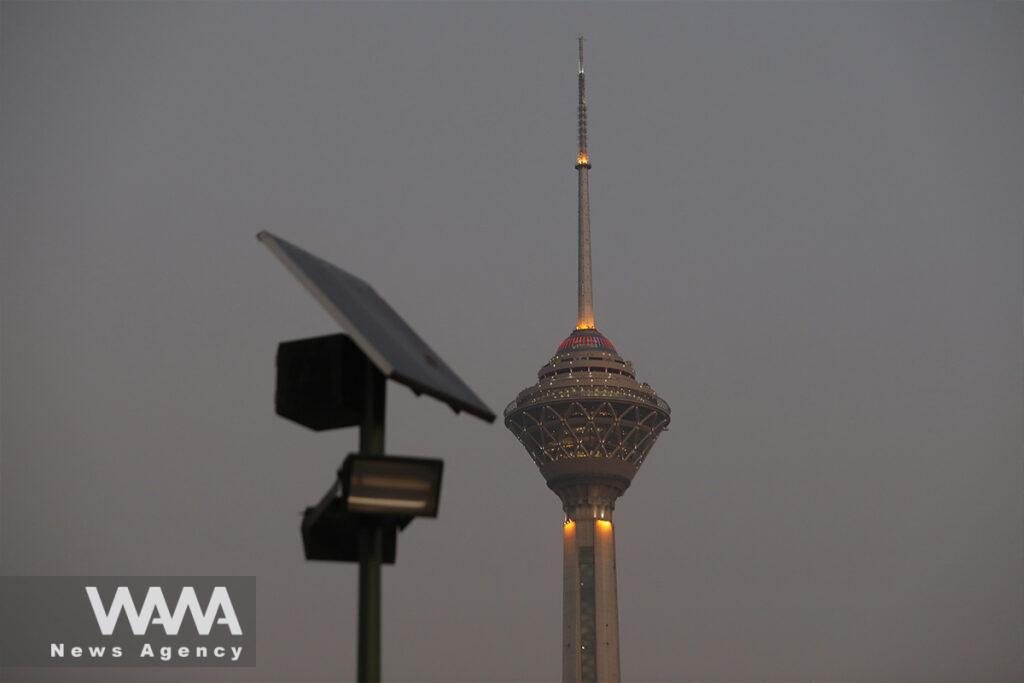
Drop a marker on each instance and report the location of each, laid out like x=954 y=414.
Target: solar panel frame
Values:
x=387 y=340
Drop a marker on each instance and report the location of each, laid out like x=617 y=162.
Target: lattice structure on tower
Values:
x=587 y=403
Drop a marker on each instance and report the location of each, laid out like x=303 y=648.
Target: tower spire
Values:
x=582 y=113
x=585 y=316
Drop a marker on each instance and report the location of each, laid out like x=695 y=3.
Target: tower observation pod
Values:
x=588 y=424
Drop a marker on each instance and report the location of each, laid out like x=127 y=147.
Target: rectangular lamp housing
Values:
x=320 y=382
x=396 y=486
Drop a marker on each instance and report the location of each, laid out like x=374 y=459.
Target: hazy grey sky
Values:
x=807 y=225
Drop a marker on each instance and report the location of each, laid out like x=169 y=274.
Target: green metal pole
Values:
x=371 y=542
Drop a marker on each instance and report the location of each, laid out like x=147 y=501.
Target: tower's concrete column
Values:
x=570 y=606
x=590 y=614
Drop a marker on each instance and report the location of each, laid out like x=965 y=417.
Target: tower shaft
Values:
x=590 y=612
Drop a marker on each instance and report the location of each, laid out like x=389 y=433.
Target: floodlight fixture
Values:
x=320 y=382
x=395 y=486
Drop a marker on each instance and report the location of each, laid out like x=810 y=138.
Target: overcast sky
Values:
x=807 y=230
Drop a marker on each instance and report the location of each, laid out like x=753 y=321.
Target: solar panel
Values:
x=379 y=332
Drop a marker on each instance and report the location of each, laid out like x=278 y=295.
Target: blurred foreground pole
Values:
x=371 y=442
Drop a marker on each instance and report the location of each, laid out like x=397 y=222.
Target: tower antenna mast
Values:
x=585 y=309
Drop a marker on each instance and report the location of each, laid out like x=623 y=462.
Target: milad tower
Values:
x=588 y=424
